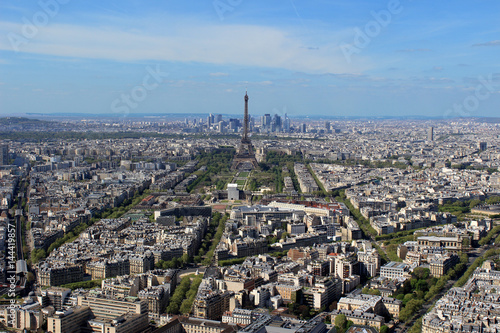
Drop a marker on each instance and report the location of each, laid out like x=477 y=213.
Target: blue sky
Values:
x=316 y=57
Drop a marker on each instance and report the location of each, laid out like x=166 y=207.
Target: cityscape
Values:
x=231 y=166
x=250 y=224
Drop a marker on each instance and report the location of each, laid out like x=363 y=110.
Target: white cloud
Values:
x=491 y=43
x=219 y=74
x=246 y=45
x=413 y=50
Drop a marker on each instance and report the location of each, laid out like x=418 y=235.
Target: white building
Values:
x=232 y=192
x=394 y=270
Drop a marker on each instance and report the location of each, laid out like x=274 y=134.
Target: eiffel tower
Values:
x=245 y=157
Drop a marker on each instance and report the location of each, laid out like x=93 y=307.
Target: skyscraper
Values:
x=430 y=134
x=286 y=124
x=4 y=154
x=277 y=123
x=266 y=121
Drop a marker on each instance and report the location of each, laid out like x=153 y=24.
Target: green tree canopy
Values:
x=341 y=321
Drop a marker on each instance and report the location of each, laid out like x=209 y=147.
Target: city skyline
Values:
x=333 y=59
x=310 y=226
x=225 y=166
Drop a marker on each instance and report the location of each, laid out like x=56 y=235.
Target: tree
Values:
x=474 y=202
x=176 y=262
x=421 y=273
x=408 y=298
x=304 y=311
x=173 y=308
x=384 y=329
x=37 y=255
x=273 y=240
x=30 y=277
x=185 y=307
x=410 y=309
x=466 y=242
x=493 y=200
x=341 y=321
x=422 y=285
x=293 y=307
x=368 y=291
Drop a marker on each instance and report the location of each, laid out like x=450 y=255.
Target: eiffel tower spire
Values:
x=245 y=157
x=245 y=121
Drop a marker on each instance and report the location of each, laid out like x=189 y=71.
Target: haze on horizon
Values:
x=334 y=58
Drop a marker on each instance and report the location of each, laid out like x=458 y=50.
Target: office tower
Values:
x=430 y=134
x=4 y=154
x=286 y=124
x=277 y=123
x=327 y=125
x=234 y=124
x=483 y=145
x=210 y=120
x=266 y=120
x=221 y=126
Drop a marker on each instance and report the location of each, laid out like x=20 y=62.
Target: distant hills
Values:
x=490 y=120
x=16 y=121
